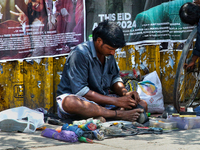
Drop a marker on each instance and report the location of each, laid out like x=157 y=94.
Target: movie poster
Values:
x=48 y=28
x=40 y=28
x=143 y=22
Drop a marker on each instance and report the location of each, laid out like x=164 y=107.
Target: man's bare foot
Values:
x=129 y=115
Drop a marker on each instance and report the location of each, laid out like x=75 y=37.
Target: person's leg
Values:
x=73 y=105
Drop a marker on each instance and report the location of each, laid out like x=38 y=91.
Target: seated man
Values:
x=90 y=73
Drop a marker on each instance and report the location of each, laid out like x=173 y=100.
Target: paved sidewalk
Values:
x=176 y=140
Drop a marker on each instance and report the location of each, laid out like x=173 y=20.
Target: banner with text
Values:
x=41 y=28
x=143 y=22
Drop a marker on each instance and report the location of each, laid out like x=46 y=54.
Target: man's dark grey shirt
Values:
x=83 y=72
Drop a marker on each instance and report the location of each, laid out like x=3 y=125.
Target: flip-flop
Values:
x=96 y=134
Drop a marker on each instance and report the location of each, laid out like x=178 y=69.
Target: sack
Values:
x=150 y=90
x=131 y=85
x=34 y=117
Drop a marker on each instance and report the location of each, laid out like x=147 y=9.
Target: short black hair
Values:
x=110 y=33
x=189 y=13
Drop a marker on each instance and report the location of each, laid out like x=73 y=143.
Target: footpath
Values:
x=175 y=140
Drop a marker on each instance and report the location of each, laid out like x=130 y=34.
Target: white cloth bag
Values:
x=150 y=90
x=34 y=117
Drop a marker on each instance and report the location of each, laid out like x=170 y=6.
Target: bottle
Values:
x=84 y=139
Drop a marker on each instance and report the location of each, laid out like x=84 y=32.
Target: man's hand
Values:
x=134 y=95
x=126 y=102
x=189 y=66
x=130 y=100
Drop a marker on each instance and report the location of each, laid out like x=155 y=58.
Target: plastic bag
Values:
x=34 y=117
x=150 y=90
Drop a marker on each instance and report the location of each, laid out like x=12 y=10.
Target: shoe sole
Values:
x=10 y=125
x=98 y=135
x=94 y=135
x=143 y=118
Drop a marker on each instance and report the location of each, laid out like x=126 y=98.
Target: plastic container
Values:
x=162 y=123
x=185 y=123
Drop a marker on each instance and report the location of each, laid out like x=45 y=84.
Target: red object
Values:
x=123 y=74
x=59 y=129
x=92 y=126
x=143 y=127
x=182 y=109
x=89 y=140
x=136 y=72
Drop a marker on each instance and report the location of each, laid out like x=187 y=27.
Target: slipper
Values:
x=11 y=125
x=95 y=134
x=98 y=134
x=112 y=130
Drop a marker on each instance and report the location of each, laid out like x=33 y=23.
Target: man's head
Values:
x=110 y=33
x=189 y=13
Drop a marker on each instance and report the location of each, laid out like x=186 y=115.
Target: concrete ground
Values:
x=176 y=140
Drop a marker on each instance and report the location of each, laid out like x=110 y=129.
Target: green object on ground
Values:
x=84 y=139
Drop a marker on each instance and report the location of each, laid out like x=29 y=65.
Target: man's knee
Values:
x=69 y=102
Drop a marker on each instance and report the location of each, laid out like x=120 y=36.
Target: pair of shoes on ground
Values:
x=11 y=125
x=95 y=134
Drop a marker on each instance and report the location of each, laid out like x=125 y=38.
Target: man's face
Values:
x=108 y=50
x=104 y=49
x=37 y=5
